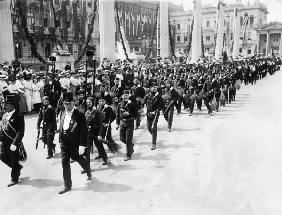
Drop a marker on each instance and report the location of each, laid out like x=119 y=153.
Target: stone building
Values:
x=257 y=16
x=270 y=40
x=65 y=22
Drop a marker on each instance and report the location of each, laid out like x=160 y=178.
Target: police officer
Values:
x=126 y=113
x=154 y=103
x=47 y=115
x=11 y=134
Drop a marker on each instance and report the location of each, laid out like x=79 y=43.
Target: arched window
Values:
x=208 y=23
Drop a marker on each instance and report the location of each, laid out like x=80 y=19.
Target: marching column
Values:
x=197 y=31
x=164 y=43
x=107 y=29
x=6 y=36
x=220 y=29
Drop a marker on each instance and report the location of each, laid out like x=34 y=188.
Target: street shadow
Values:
x=155 y=157
x=40 y=183
x=175 y=146
x=178 y=129
x=122 y=167
x=103 y=187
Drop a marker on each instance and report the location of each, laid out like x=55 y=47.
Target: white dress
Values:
x=36 y=93
x=28 y=94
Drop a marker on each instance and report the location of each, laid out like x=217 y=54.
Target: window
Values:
x=208 y=23
x=249 y=51
x=45 y=22
x=208 y=38
x=276 y=38
x=241 y=20
x=231 y=36
x=178 y=26
x=89 y=4
x=207 y=50
x=240 y=50
x=18 y=50
x=47 y=50
x=178 y=38
x=252 y=20
x=30 y=19
x=70 y=48
x=185 y=39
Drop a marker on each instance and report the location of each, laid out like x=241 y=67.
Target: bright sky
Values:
x=274 y=6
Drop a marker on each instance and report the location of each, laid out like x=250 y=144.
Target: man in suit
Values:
x=11 y=134
x=47 y=115
x=73 y=139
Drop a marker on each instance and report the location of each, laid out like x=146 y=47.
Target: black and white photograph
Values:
x=141 y=107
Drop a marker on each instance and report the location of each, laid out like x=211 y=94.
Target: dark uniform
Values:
x=11 y=134
x=154 y=103
x=47 y=115
x=126 y=113
x=170 y=100
x=95 y=129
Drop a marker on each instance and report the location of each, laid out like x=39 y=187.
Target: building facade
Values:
x=270 y=40
x=65 y=22
x=257 y=16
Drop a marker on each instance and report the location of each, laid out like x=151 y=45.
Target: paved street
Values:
x=226 y=164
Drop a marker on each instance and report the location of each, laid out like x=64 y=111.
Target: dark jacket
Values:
x=124 y=107
x=76 y=134
x=47 y=115
x=12 y=132
x=94 y=122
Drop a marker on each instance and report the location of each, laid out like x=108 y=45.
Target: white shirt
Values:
x=67 y=119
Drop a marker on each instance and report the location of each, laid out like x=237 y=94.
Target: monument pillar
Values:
x=220 y=30
x=107 y=29
x=164 y=32
x=6 y=35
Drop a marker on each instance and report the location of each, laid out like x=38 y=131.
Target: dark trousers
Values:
x=168 y=115
x=152 y=126
x=138 y=119
x=207 y=100
x=199 y=100
x=190 y=102
x=126 y=135
x=48 y=138
x=107 y=135
x=11 y=159
x=179 y=102
x=66 y=154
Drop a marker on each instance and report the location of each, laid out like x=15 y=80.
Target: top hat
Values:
x=68 y=97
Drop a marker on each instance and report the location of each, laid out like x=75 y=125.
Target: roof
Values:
x=270 y=26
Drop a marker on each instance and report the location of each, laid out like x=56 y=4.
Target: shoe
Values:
x=105 y=163
x=98 y=157
x=136 y=128
x=71 y=161
x=169 y=129
x=127 y=158
x=153 y=147
x=49 y=156
x=66 y=189
x=12 y=183
x=190 y=114
x=83 y=171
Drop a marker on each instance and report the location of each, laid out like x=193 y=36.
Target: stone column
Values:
x=220 y=30
x=236 y=34
x=107 y=29
x=267 y=44
x=164 y=33
x=197 y=32
x=258 y=41
x=280 y=45
x=6 y=35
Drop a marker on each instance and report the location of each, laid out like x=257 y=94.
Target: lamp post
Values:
x=89 y=55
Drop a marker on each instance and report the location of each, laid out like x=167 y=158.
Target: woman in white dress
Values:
x=28 y=92
x=36 y=99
